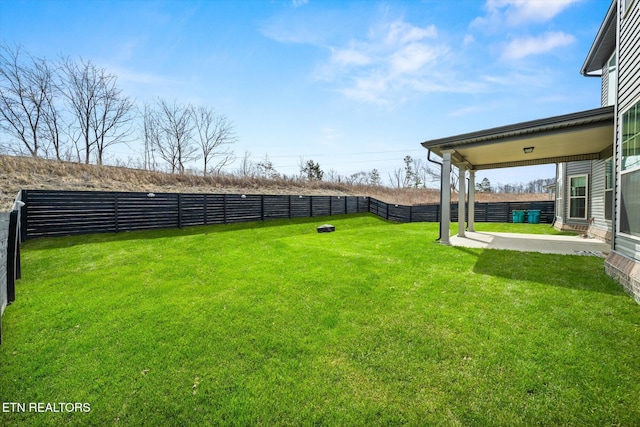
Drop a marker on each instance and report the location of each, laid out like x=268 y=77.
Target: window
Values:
x=631 y=138
x=627 y=4
x=578 y=197
x=560 y=191
x=608 y=189
x=630 y=172
x=611 y=89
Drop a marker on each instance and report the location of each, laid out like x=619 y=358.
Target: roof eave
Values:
x=603 y=46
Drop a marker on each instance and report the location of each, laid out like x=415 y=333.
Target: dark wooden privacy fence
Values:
x=9 y=256
x=58 y=213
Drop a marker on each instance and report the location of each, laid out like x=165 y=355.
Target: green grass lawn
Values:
x=275 y=324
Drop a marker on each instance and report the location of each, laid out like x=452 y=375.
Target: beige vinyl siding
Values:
x=629 y=58
x=597 y=196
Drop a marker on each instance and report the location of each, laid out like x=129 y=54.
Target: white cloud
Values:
x=468 y=40
x=392 y=59
x=390 y=62
x=514 y=13
x=350 y=56
x=298 y=3
x=371 y=89
x=523 y=47
x=399 y=33
x=413 y=58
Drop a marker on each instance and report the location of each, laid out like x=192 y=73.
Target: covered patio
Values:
x=585 y=135
x=565 y=245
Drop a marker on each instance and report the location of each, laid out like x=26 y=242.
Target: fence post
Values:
x=24 y=196
x=310 y=206
x=262 y=207
x=206 y=213
x=116 y=202
x=224 y=208
x=290 y=215
x=179 y=210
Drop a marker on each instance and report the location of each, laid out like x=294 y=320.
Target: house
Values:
x=597 y=152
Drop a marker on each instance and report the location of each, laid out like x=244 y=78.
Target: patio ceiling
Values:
x=585 y=135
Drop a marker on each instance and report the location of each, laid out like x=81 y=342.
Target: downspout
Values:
x=441 y=189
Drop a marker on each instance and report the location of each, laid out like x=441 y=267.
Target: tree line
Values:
x=74 y=110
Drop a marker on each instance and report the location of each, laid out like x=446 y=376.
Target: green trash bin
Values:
x=534 y=216
x=518 y=216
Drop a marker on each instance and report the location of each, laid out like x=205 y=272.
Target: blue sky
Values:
x=352 y=85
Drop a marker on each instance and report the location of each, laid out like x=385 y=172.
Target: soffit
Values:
x=579 y=136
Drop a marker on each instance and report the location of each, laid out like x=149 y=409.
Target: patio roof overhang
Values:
x=584 y=135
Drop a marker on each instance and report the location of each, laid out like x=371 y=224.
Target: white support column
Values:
x=462 y=184
x=472 y=200
x=445 y=208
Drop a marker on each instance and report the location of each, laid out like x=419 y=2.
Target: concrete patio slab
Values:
x=568 y=245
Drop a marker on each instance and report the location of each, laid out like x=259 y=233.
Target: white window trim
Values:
x=618 y=205
x=621 y=130
x=586 y=195
x=613 y=177
x=627 y=5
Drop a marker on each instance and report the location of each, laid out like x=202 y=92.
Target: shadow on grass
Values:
x=577 y=272
x=163 y=233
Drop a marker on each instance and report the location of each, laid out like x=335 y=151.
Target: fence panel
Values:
x=351 y=203
x=243 y=208
x=194 y=209
x=276 y=207
x=69 y=212
x=321 y=206
x=399 y=213
x=300 y=206
x=9 y=257
x=215 y=209
x=363 y=203
x=378 y=208
x=4 y=261
x=426 y=213
x=145 y=211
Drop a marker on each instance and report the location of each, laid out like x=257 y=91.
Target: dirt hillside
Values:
x=18 y=173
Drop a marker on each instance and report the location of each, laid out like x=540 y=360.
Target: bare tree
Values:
x=397 y=178
x=357 y=178
x=150 y=136
x=175 y=139
x=214 y=135
x=102 y=112
x=26 y=91
x=53 y=122
x=333 y=176
x=247 y=168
